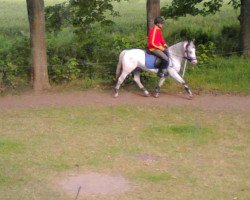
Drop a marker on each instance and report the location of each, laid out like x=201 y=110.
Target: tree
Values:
x=245 y=27
x=153 y=11
x=38 y=53
x=179 y=8
x=80 y=13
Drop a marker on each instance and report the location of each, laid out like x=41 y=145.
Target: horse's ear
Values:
x=193 y=40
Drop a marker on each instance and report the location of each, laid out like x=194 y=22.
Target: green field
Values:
x=201 y=154
x=13 y=15
x=135 y=11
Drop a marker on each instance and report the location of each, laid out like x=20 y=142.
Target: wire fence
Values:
x=99 y=64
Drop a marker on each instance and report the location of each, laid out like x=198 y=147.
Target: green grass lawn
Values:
x=135 y=12
x=202 y=154
x=13 y=14
x=223 y=75
x=227 y=75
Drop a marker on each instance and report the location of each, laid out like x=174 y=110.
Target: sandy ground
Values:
x=92 y=98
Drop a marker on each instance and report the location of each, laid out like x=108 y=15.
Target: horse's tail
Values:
x=119 y=64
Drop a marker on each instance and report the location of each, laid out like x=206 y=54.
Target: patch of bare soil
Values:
x=204 y=101
x=94 y=184
x=146 y=157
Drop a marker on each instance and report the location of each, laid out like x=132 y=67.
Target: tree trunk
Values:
x=245 y=27
x=38 y=53
x=153 y=11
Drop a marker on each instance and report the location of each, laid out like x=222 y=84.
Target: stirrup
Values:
x=160 y=74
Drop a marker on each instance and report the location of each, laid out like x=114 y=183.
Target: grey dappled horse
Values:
x=132 y=59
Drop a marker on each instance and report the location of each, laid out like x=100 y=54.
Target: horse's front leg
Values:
x=138 y=81
x=158 y=88
x=177 y=77
x=188 y=90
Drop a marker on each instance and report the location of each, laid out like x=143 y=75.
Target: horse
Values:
x=134 y=60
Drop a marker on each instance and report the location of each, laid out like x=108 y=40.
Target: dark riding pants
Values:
x=163 y=56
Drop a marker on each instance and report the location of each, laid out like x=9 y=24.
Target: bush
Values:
x=96 y=52
x=64 y=73
x=199 y=35
x=228 y=42
x=14 y=62
x=206 y=52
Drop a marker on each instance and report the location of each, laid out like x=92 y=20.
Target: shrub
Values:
x=199 y=35
x=228 y=41
x=14 y=62
x=60 y=73
x=206 y=52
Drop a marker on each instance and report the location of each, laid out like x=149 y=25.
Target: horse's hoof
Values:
x=146 y=94
x=157 y=95
x=116 y=95
x=190 y=97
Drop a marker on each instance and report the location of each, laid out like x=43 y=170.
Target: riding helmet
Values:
x=158 y=20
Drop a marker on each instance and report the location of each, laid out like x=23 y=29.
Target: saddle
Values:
x=152 y=61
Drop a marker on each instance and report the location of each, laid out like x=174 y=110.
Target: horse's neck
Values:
x=178 y=51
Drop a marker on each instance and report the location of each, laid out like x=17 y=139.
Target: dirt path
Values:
x=204 y=101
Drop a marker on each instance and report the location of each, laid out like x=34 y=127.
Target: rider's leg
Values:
x=165 y=59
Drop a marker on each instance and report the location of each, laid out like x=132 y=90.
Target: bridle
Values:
x=186 y=54
x=187 y=57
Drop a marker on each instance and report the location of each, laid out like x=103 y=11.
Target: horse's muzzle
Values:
x=194 y=62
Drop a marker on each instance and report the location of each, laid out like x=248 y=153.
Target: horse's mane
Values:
x=179 y=44
x=178 y=48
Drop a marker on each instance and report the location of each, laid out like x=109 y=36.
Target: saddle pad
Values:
x=150 y=61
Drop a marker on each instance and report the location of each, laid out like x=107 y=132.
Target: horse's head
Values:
x=190 y=54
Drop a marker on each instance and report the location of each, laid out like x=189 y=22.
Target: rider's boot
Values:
x=163 y=70
x=160 y=73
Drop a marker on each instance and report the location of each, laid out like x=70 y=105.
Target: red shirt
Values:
x=155 y=39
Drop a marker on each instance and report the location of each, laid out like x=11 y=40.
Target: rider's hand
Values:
x=166 y=51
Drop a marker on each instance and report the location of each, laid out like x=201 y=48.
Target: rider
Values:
x=158 y=46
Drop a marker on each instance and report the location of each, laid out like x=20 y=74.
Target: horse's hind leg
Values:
x=138 y=81
x=119 y=82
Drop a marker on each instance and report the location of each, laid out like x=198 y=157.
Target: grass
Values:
x=13 y=14
x=135 y=11
x=7 y=146
x=153 y=177
x=202 y=154
x=228 y=75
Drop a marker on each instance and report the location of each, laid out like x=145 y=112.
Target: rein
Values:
x=186 y=57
